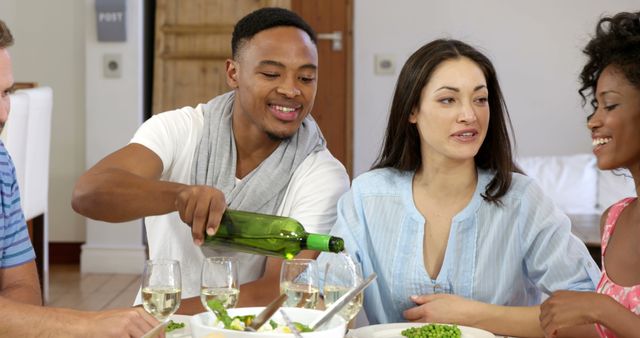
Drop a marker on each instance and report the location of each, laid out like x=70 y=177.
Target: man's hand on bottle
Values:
x=201 y=207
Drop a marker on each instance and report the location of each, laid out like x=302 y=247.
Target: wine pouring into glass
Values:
x=342 y=274
x=299 y=281
x=219 y=281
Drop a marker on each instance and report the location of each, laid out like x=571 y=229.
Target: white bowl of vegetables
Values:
x=206 y=325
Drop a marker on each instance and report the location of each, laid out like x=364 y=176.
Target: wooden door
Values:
x=333 y=107
x=193 y=40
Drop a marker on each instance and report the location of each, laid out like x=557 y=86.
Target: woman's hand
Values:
x=519 y=321
x=569 y=308
x=439 y=308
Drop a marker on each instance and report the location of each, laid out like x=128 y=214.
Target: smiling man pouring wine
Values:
x=255 y=149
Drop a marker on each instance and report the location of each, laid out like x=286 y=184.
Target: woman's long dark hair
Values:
x=401 y=148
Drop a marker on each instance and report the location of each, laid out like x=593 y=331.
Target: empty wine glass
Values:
x=342 y=274
x=219 y=281
x=299 y=280
x=161 y=288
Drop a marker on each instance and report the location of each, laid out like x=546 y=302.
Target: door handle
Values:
x=335 y=37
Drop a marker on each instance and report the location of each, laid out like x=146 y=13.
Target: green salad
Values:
x=238 y=323
x=433 y=331
x=173 y=326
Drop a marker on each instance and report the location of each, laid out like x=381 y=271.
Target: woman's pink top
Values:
x=628 y=296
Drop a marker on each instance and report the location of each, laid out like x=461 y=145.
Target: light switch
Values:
x=384 y=64
x=112 y=66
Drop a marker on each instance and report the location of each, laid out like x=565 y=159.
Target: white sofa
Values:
x=576 y=184
x=580 y=189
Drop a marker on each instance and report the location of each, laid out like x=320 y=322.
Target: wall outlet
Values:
x=384 y=64
x=112 y=66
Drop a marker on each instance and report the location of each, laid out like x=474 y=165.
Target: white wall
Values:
x=535 y=46
x=114 y=111
x=49 y=50
x=56 y=45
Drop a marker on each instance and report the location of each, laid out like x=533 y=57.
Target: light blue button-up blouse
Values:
x=505 y=255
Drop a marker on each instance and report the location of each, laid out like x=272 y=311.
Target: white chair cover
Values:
x=36 y=189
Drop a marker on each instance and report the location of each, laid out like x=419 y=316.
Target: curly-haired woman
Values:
x=611 y=78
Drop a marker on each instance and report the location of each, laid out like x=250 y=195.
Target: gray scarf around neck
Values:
x=263 y=189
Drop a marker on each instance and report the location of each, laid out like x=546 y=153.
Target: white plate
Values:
x=184 y=332
x=393 y=331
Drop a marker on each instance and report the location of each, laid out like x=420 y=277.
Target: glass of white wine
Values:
x=219 y=281
x=299 y=280
x=161 y=288
x=342 y=274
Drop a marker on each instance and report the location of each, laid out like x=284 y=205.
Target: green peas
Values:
x=433 y=331
x=173 y=326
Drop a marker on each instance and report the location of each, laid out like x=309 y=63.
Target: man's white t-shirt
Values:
x=311 y=195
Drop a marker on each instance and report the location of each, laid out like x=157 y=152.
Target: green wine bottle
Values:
x=269 y=235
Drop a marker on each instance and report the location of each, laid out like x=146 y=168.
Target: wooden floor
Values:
x=70 y=289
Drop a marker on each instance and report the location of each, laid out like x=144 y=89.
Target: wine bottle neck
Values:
x=318 y=242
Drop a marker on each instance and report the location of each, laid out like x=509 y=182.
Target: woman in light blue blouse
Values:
x=455 y=233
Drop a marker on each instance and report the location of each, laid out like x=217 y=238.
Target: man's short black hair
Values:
x=263 y=19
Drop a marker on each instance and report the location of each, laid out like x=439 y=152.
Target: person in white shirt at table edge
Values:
x=256 y=148
x=20 y=299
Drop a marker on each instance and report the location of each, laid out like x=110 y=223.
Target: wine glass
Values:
x=161 y=288
x=219 y=281
x=299 y=280
x=342 y=274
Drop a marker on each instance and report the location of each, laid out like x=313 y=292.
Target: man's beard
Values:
x=278 y=138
